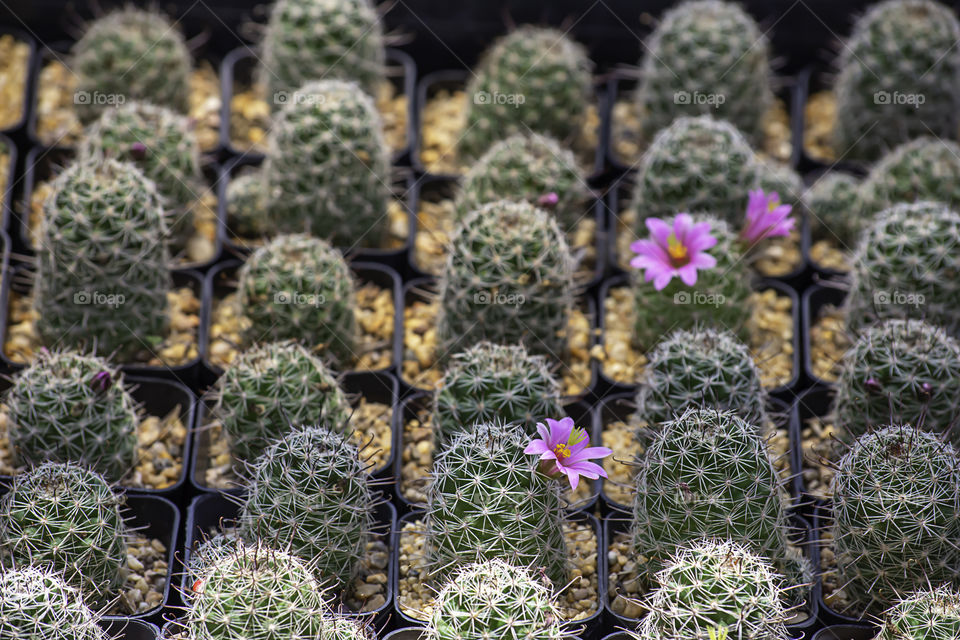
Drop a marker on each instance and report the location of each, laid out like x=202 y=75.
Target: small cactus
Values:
x=36 y=604
x=247 y=214
x=335 y=627
x=833 y=210
x=932 y=614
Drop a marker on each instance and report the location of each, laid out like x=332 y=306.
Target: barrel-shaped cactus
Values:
x=931 y=614
x=834 y=212
x=36 y=604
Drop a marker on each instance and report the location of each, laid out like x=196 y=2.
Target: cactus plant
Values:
x=775 y=177
x=508 y=279
x=899 y=78
x=327 y=170
x=36 y=604
x=130 y=54
x=706 y=57
x=906 y=264
x=67 y=518
x=896 y=516
x=335 y=627
x=491 y=381
x=931 y=614
x=487 y=500
x=495 y=599
x=906 y=370
x=299 y=288
x=531 y=168
x=534 y=79
x=308 y=493
x=102 y=261
x=68 y=407
x=834 y=211
x=247 y=213
x=271 y=387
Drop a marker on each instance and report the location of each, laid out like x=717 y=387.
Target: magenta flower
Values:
x=676 y=251
x=766 y=217
x=563 y=450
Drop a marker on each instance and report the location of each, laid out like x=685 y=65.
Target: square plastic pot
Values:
x=814 y=300
x=809 y=223
x=846 y=632
x=6 y=195
x=131 y=630
x=25 y=108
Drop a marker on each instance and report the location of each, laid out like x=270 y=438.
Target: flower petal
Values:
x=536 y=447
x=659 y=230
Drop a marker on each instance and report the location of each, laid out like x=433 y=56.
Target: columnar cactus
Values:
x=103 y=261
x=130 y=54
x=896 y=516
x=271 y=387
x=299 y=288
x=716 y=589
x=487 y=500
x=834 y=211
x=906 y=264
x=931 y=614
x=490 y=381
x=327 y=170
x=247 y=214
x=308 y=493
x=899 y=78
x=68 y=407
x=67 y=518
x=905 y=370
x=508 y=279
x=534 y=79
x=706 y=57
x=701 y=367
x=495 y=599
x=315 y=39
x=36 y=604
x=530 y=168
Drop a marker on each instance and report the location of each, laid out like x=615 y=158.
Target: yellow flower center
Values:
x=562 y=451
x=773 y=204
x=675 y=249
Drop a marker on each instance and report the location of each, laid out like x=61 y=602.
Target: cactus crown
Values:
x=36 y=604
x=832 y=204
x=494 y=599
x=932 y=614
x=68 y=407
x=270 y=387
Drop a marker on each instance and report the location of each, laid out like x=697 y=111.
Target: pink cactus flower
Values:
x=766 y=217
x=674 y=251
x=563 y=450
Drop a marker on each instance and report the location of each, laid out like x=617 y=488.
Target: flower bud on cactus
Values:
x=128 y=55
x=36 y=604
x=706 y=57
x=310 y=39
x=834 y=211
x=896 y=516
x=529 y=168
x=534 y=79
x=905 y=370
x=490 y=381
x=495 y=599
x=67 y=407
x=206 y=554
x=67 y=518
x=932 y=614
x=299 y=288
x=899 y=78
x=308 y=493
x=327 y=170
x=247 y=213
x=102 y=261
x=508 y=280
x=271 y=387
x=487 y=500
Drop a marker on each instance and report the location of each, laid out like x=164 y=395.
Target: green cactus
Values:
x=36 y=604
x=905 y=370
x=327 y=170
x=130 y=54
x=495 y=599
x=487 y=500
x=533 y=80
x=205 y=555
x=706 y=57
x=899 y=78
x=896 y=516
x=508 y=279
x=778 y=178
x=68 y=407
x=299 y=288
x=932 y=614
x=716 y=589
x=67 y=518
x=334 y=627
x=102 y=261
x=906 y=264
x=270 y=387
x=308 y=493
x=834 y=212
x=531 y=168
x=490 y=381
x=247 y=214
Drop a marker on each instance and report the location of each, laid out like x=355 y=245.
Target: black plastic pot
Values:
x=380 y=387
x=588 y=628
x=158 y=397
x=19 y=278
x=828 y=615
x=222 y=280
x=809 y=230
x=578 y=410
x=618 y=522
x=815 y=402
x=456 y=79
x=212 y=512
x=239 y=65
x=846 y=632
x=21 y=36
x=814 y=300
x=6 y=188
x=130 y=630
